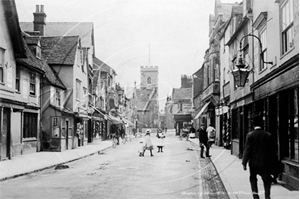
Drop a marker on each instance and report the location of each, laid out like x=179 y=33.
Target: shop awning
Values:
x=202 y=110
x=179 y=117
x=114 y=120
x=127 y=122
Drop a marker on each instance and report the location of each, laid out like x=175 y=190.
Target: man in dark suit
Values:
x=258 y=152
x=203 y=141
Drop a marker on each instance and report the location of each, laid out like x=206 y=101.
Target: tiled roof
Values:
x=181 y=93
x=31 y=60
x=59 y=50
x=100 y=65
x=82 y=29
x=41 y=64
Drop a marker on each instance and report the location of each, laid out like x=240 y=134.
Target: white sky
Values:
x=177 y=31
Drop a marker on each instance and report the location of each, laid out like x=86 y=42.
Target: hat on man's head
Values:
x=257 y=120
x=148 y=131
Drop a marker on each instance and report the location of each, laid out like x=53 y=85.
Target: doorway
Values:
x=5 y=134
x=67 y=134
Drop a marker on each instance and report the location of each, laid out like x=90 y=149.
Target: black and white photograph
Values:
x=149 y=99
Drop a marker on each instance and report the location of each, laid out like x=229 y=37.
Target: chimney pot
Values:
x=37 y=8
x=42 y=8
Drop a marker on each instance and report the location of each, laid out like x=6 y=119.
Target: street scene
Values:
x=149 y=99
x=120 y=172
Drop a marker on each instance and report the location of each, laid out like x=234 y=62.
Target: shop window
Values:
x=235 y=124
x=30 y=125
x=32 y=84
x=287 y=26
x=55 y=127
x=294 y=138
x=63 y=127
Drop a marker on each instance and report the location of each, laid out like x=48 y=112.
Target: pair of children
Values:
x=147 y=144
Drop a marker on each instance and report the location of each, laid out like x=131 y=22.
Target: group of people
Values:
x=206 y=138
x=258 y=154
x=117 y=133
x=146 y=143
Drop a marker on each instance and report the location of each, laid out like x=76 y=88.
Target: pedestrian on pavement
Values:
x=211 y=133
x=147 y=143
x=203 y=141
x=113 y=135
x=122 y=132
x=161 y=136
x=192 y=130
x=166 y=129
x=258 y=152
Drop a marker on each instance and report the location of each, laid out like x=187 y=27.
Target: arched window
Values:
x=149 y=80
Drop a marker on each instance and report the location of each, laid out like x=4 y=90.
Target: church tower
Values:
x=149 y=76
x=147 y=98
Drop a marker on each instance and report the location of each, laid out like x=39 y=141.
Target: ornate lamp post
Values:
x=241 y=72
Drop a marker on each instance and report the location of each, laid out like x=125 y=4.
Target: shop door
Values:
x=67 y=134
x=5 y=135
x=90 y=131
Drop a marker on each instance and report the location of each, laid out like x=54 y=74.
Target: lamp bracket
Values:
x=260 y=45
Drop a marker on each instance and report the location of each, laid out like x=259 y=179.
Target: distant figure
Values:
x=122 y=133
x=166 y=129
x=203 y=141
x=147 y=143
x=258 y=152
x=211 y=134
x=160 y=135
x=192 y=131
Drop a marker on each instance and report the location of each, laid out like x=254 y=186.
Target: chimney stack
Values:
x=39 y=21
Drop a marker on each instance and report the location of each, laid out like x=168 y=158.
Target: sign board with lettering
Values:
x=285 y=80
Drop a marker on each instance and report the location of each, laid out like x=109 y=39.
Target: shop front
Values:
x=240 y=123
x=222 y=121
x=182 y=120
x=98 y=129
x=81 y=129
x=276 y=98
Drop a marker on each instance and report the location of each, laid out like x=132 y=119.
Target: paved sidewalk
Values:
x=236 y=180
x=24 y=164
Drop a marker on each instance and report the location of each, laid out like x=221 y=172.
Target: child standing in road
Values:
x=160 y=144
x=147 y=143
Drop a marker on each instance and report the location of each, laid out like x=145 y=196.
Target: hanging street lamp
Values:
x=241 y=71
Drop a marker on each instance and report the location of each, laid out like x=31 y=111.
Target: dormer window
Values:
x=38 y=52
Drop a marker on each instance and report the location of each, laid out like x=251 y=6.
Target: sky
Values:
x=170 y=34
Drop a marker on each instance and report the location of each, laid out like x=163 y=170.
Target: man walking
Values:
x=258 y=152
x=203 y=141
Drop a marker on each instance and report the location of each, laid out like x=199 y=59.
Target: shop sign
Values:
x=282 y=81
